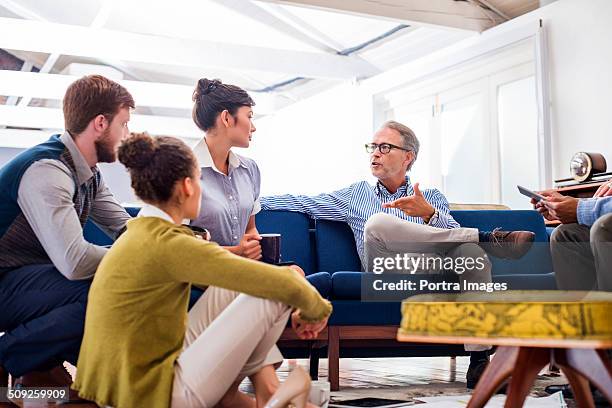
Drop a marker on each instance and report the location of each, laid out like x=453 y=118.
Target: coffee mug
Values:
x=199 y=232
x=319 y=393
x=270 y=248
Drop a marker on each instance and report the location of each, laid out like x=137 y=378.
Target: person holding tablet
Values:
x=137 y=309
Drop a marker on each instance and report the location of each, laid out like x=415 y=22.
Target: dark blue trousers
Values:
x=43 y=315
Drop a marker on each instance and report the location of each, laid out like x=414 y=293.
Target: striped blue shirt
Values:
x=358 y=202
x=590 y=209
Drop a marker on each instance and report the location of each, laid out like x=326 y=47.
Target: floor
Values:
x=393 y=378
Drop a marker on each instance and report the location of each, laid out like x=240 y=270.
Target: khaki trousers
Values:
x=386 y=235
x=229 y=336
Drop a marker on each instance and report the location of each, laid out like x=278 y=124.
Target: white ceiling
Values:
x=308 y=32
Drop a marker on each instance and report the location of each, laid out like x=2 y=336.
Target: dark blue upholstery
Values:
x=487 y=220
x=322 y=281
x=346 y=285
x=95 y=235
x=336 y=249
x=519 y=281
x=357 y=313
x=294 y=228
x=537 y=261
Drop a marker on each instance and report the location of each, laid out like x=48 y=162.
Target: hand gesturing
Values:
x=414 y=206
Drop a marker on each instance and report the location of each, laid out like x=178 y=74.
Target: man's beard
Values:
x=104 y=149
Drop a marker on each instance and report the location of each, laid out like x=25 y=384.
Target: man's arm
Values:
x=590 y=209
x=332 y=206
x=430 y=205
x=107 y=213
x=45 y=198
x=440 y=203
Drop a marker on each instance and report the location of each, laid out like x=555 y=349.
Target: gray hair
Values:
x=409 y=139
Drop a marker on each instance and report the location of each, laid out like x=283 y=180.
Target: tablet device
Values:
x=530 y=194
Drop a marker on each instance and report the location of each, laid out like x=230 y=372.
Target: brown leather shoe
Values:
x=56 y=377
x=507 y=244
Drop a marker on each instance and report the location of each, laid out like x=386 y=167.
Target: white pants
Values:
x=386 y=235
x=229 y=336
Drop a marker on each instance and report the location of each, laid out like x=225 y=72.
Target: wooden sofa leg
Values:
x=333 y=357
x=314 y=364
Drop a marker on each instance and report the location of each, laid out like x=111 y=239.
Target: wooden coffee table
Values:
x=531 y=329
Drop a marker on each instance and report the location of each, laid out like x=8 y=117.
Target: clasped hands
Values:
x=307 y=330
x=414 y=206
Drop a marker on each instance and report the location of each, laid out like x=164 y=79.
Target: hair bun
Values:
x=205 y=86
x=137 y=151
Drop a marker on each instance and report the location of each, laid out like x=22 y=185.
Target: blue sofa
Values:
x=326 y=251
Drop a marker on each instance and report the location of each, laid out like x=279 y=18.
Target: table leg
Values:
x=498 y=370
x=529 y=363
x=580 y=387
x=589 y=363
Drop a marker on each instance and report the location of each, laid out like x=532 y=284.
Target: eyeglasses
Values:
x=384 y=148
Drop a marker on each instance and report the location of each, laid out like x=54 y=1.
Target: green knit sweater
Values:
x=137 y=309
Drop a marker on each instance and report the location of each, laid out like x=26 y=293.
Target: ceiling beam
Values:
x=257 y=13
x=38 y=36
x=98 y=22
x=150 y=94
x=300 y=24
x=439 y=13
x=53 y=119
x=53 y=86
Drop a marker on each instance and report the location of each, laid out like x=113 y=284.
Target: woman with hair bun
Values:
x=141 y=348
x=230 y=198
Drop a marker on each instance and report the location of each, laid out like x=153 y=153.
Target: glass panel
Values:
x=420 y=121
x=518 y=121
x=464 y=151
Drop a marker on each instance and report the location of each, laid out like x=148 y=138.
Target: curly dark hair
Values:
x=155 y=164
x=211 y=97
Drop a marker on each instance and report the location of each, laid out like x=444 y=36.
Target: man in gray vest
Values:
x=47 y=194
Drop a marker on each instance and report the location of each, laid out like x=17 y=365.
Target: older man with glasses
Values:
x=394 y=216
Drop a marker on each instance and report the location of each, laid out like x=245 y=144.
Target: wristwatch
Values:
x=434 y=218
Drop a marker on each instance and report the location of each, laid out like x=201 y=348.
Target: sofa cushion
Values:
x=336 y=251
x=354 y=312
x=95 y=235
x=346 y=285
x=294 y=228
x=335 y=247
x=545 y=281
x=488 y=220
x=322 y=281
x=536 y=261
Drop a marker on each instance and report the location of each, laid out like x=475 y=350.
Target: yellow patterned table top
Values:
x=527 y=315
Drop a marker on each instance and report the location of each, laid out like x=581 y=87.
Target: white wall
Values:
x=315 y=145
x=579 y=33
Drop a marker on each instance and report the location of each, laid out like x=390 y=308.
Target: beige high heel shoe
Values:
x=294 y=391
